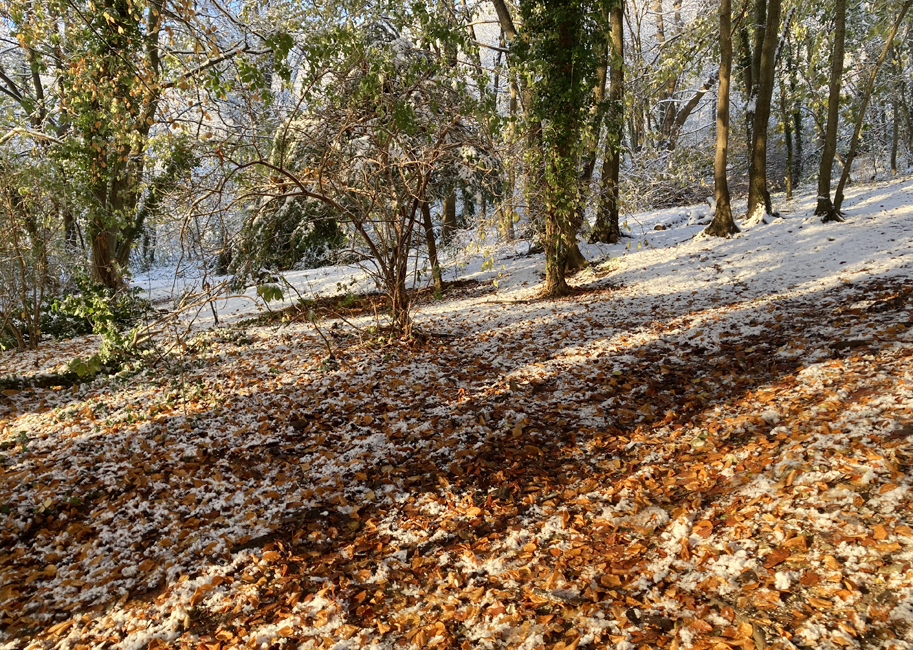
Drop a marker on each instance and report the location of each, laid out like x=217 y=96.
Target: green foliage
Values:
x=102 y=308
x=284 y=234
x=270 y=292
x=109 y=313
x=87 y=367
x=349 y=300
x=560 y=46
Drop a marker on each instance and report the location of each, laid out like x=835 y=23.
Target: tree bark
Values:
x=747 y=80
x=753 y=79
x=866 y=96
x=723 y=224
x=895 y=135
x=788 y=136
x=825 y=207
x=533 y=135
x=758 y=196
x=448 y=219
x=607 y=229
x=795 y=172
x=896 y=101
x=432 y=247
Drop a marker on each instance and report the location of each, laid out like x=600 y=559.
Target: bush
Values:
x=95 y=309
x=293 y=232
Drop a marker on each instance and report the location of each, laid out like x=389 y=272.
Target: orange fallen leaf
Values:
x=831 y=563
x=703 y=528
x=776 y=557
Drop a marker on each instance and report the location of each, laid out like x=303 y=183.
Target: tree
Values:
x=758 y=196
x=533 y=156
x=864 y=103
x=559 y=49
x=723 y=224
x=825 y=208
x=28 y=226
x=378 y=128
x=95 y=77
x=607 y=229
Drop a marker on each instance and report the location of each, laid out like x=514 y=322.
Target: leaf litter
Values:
x=721 y=463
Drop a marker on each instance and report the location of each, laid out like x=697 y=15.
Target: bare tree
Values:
x=758 y=195
x=607 y=228
x=863 y=105
x=825 y=207
x=723 y=224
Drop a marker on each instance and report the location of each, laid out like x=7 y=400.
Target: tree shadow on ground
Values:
x=511 y=444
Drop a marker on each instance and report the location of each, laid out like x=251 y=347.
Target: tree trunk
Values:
x=71 y=241
x=866 y=96
x=555 y=258
x=607 y=230
x=788 y=136
x=825 y=208
x=723 y=224
x=753 y=78
x=104 y=270
x=589 y=157
x=560 y=146
x=507 y=209
x=895 y=135
x=666 y=103
x=532 y=174
x=432 y=247
x=758 y=196
x=576 y=260
x=896 y=100
x=448 y=220
x=795 y=172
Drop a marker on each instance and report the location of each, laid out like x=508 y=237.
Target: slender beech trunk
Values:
x=754 y=77
x=504 y=215
x=533 y=136
x=723 y=224
x=432 y=247
x=448 y=219
x=895 y=135
x=758 y=196
x=745 y=71
x=607 y=228
x=866 y=96
x=666 y=104
x=788 y=136
x=795 y=172
x=825 y=208
x=588 y=162
x=509 y=209
x=896 y=100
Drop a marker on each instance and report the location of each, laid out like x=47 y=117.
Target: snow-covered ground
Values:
x=795 y=253
x=708 y=446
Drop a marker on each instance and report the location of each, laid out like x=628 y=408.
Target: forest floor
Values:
x=709 y=445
